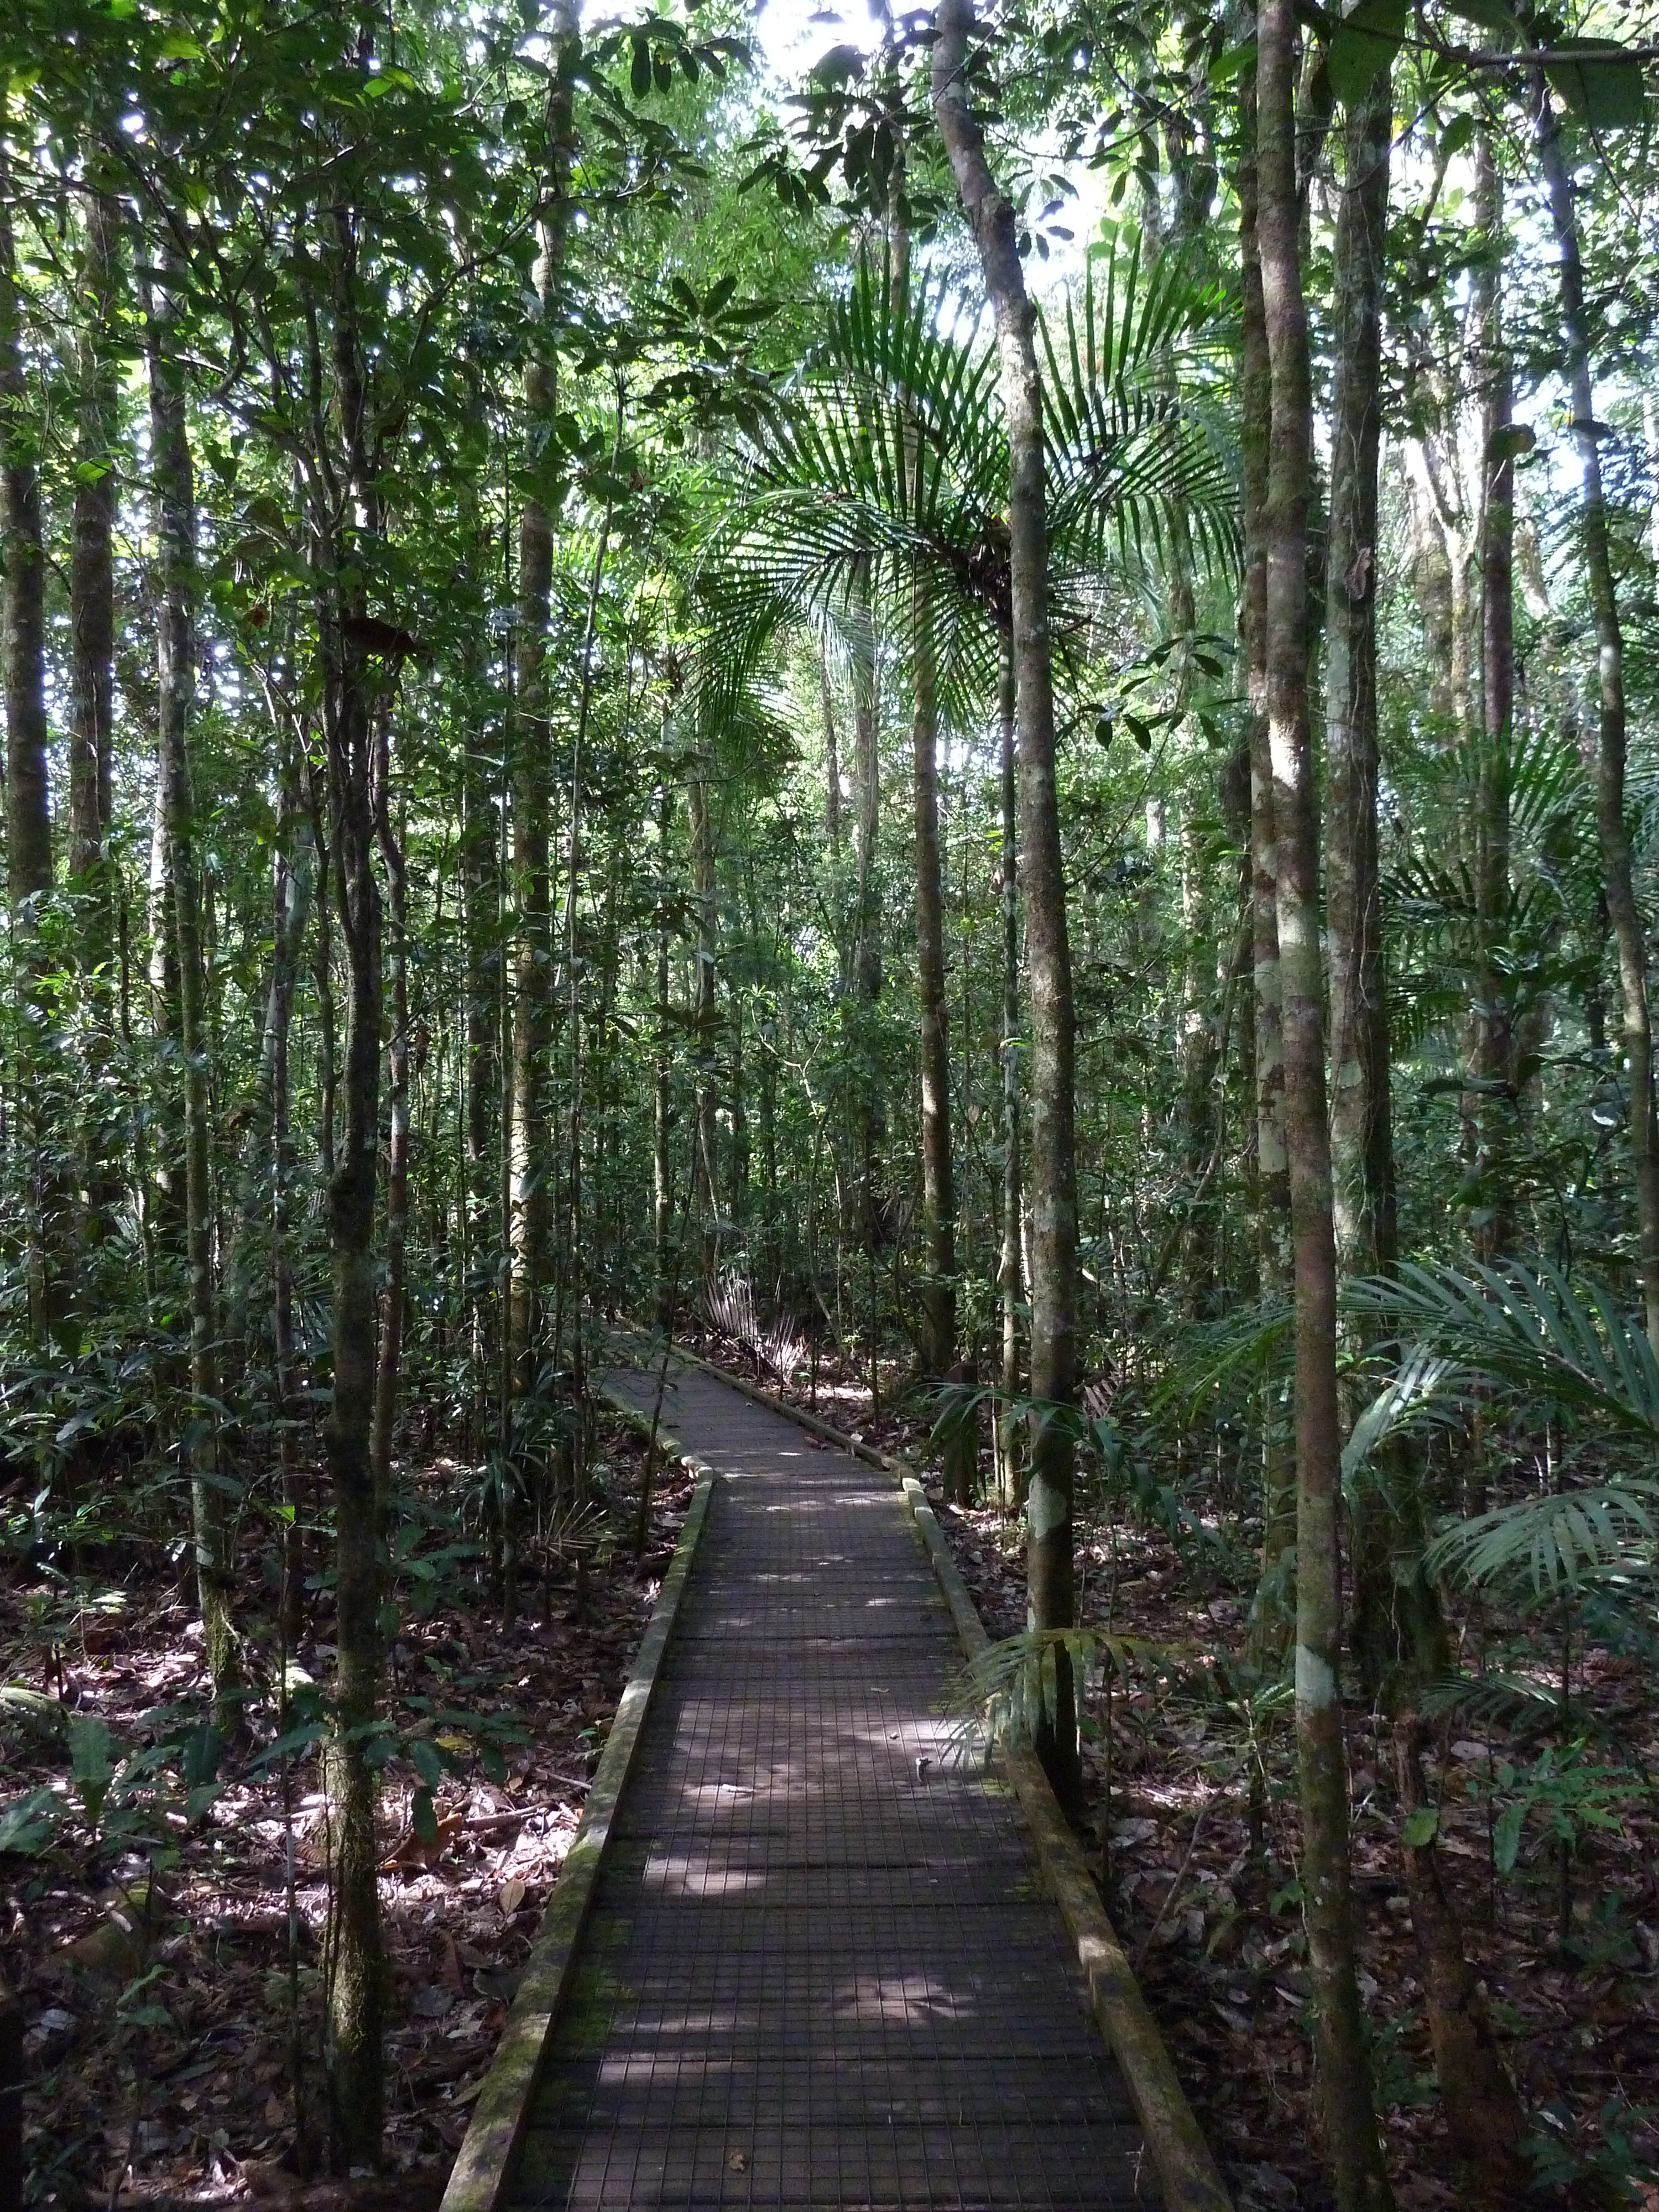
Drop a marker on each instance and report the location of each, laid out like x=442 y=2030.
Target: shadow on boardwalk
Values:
x=819 y=1970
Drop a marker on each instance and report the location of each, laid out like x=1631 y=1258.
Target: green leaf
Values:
x=179 y=46
x=1421 y=1826
x=1364 y=45
x=423 y=1817
x=1601 y=84
x=91 y=1760
x=27 y=1824
x=423 y=1757
x=639 y=76
x=1492 y=15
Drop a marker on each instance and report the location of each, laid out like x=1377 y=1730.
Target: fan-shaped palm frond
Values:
x=1560 y=1540
x=889 y=469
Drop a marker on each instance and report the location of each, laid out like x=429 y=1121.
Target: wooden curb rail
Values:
x=477 y=2182
x=1187 y=2173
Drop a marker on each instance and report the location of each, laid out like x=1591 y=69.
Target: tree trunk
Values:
x=1493 y=1053
x=1361 y=1140
x=92 y=581
x=481 y=1025
x=1271 y=1616
x=389 y=1368
x=1050 y=1569
x=705 y=1181
x=357 y=1973
x=175 y=529
x=1012 y=1486
x=1622 y=909
x=530 y=1139
x=1484 y=2117
x=28 y=819
x=662 y=1191
x=1350 y=2127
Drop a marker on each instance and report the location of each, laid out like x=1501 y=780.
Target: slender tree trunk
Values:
x=175 y=518
x=1484 y=2116
x=389 y=1369
x=1349 y=2124
x=91 y=685
x=357 y=1973
x=1362 y=1144
x=481 y=1028
x=28 y=819
x=1270 y=1619
x=662 y=1185
x=1008 y=1266
x=531 y=1141
x=92 y=581
x=1493 y=1053
x=1050 y=1584
x=705 y=1184
x=1623 y=912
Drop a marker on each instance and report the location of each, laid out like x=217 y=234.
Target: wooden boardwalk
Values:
x=819 y=1969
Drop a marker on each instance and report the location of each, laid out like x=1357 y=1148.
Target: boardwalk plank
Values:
x=815 y=1975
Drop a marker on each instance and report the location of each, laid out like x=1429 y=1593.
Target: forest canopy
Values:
x=966 y=705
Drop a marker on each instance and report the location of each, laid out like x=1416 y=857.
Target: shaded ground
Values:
x=1191 y=1789
x=163 y=2017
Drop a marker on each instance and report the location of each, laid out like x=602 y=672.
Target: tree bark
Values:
x=92 y=581
x=29 y=818
x=357 y=1973
x=1008 y=1267
x=389 y=1366
x=1493 y=1055
x=705 y=1174
x=1271 y=1615
x=175 y=529
x=1484 y=2117
x=1349 y=2124
x=1050 y=1585
x=529 y=1140
x=1362 y=1137
x=1628 y=934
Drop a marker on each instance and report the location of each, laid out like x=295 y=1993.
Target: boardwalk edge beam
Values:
x=478 y=2180
x=1187 y=2173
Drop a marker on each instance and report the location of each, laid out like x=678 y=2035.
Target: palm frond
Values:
x=1558 y=1542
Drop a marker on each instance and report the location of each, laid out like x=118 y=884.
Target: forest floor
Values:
x=160 y=2016
x=1208 y=1912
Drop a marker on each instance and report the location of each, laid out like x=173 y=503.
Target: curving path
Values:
x=815 y=1975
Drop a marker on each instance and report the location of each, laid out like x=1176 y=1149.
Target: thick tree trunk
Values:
x=175 y=522
x=1349 y=2124
x=1628 y=934
x=1270 y=1619
x=1049 y=1568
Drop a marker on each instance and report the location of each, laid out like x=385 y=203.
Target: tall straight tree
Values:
x=531 y=1141
x=1050 y=1574
x=175 y=530
x=1272 y=1178
x=28 y=817
x=1629 y=934
x=1349 y=2122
